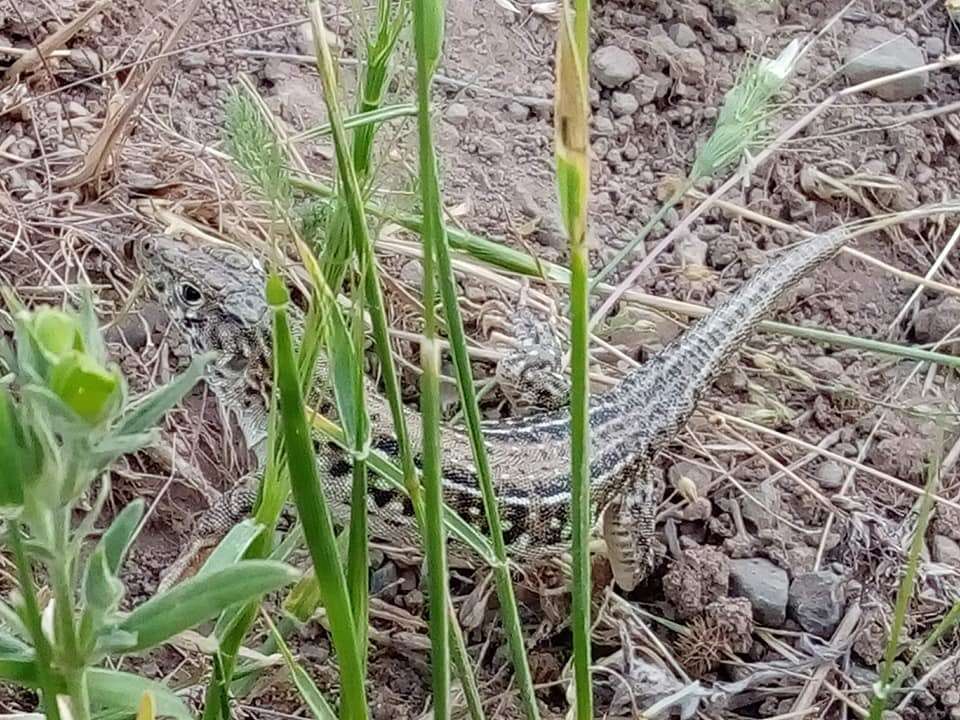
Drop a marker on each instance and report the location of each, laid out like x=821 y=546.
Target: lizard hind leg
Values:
x=628 y=527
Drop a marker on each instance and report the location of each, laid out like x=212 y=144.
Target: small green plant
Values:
x=891 y=678
x=65 y=416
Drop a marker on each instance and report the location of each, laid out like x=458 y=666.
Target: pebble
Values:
x=383 y=581
x=603 y=126
x=457 y=114
x=934 y=47
x=763 y=505
x=830 y=475
x=623 y=103
x=412 y=273
x=518 y=112
x=490 y=147
x=765 y=585
x=817 y=601
x=693 y=251
x=615 y=66
x=934 y=322
x=191 y=60
x=828 y=368
x=874 y=52
x=945 y=550
x=682 y=34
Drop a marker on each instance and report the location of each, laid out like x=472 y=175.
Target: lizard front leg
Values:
x=530 y=372
x=210 y=528
x=628 y=525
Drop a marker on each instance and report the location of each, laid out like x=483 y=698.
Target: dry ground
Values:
x=786 y=508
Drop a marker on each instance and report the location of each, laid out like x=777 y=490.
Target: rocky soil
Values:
x=775 y=586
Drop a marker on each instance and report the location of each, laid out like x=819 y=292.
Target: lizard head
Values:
x=212 y=291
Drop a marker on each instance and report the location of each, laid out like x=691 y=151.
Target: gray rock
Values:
x=828 y=368
x=816 y=601
x=603 y=126
x=615 y=66
x=383 y=581
x=934 y=46
x=700 y=477
x=682 y=34
x=934 y=322
x=191 y=60
x=457 y=114
x=490 y=147
x=693 y=251
x=412 y=273
x=830 y=475
x=874 y=52
x=622 y=103
x=518 y=112
x=945 y=550
x=763 y=505
x=646 y=88
x=766 y=587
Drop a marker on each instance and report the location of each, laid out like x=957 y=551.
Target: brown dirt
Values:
x=494 y=134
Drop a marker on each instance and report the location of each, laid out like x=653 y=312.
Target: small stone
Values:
x=817 y=601
x=490 y=147
x=682 y=34
x=383 y=581
x=945 y=550
x=687 y=471
x=647 y=89
x=934 y=322
x=518 y=112
x=615 y=66
x=828 y=368
x=874 y=52
x=75 y=109
x=830 y=475
x=457 y=114
x=934 y=47
x=765 y=585
x=191 y=60
x=412 y=273
x=693 y=251
x=622 y=103
x=723 y=252
x=603 y=126
x=697 y=578
x=763 y=505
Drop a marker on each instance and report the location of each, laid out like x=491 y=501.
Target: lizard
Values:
x=214 y=292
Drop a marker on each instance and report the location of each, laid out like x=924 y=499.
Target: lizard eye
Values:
x=190 y=295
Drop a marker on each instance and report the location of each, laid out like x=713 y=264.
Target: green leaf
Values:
x=203 y=597
x=12 y=645
x=102 y=590
x=147 y=411
x=232 y=548
x=121 y=533
x=114 y=690
x=19 y=453
x=88 y=388
x=19 y=668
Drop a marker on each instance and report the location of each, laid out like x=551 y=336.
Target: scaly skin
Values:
x=214 y=292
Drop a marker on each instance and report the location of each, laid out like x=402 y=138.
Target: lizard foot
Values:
x=530 y=373
x=628 y=528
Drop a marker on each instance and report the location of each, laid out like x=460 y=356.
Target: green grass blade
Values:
x=428 y=26
x=115 y=690
x=312 y=507
x=573 y=182
x=311 y=695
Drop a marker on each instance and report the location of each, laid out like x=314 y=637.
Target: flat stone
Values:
x=945 y=550
x=614 y=66
x=875 y=52
x=934 y=322
x=457 y=114
x=693 y=251
x=682 y=34
x=830 y=475
x=817 y=601
x=412 y=273
x=765 y=585
x=622 y=103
